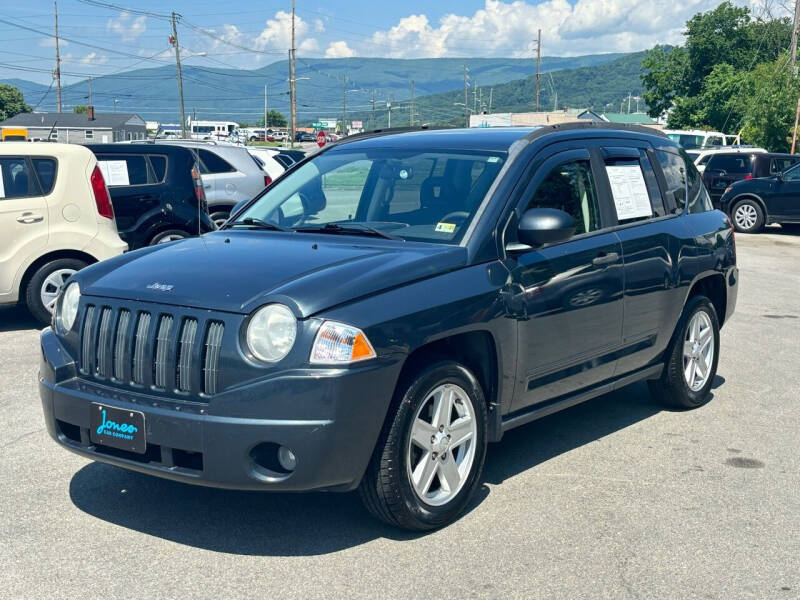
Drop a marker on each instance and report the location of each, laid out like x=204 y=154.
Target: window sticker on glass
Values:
x=629 y=191
x=445 y=227
x=115 y=172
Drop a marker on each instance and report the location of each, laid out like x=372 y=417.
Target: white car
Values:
x=700 y=157
x=56 y=217
x=698 y=139
x=265 y=157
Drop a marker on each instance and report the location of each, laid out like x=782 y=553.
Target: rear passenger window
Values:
x=16 y=180
x=674 y=170
x=214 y=163
x=159 y=165
x=570 y=187
x=123 y=169
x=46 y=171
x=699 y=200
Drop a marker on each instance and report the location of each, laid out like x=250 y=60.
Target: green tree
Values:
x=701 y=83
x=80 y=109
x=769 y=98
x=275 y=118
x=12 y=102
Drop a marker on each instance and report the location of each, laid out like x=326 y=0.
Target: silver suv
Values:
x=230 y=175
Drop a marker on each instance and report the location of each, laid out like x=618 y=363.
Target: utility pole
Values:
x=266 y=106
x=57 y=72
x=373 y=110
x=411 y=109
x=389 y=107
x=466 y=95
x=796 y=118
x=491 y=93
x=629 y=102
x=344 y=105
x=292 y=90
x=538 y=65
x=475 y=99
x=174 y=41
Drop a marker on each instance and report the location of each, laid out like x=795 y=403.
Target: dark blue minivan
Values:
x=392 y=304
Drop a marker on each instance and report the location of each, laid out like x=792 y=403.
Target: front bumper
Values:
x=329 y=418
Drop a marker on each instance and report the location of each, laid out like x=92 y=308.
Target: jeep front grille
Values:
x=163 y=352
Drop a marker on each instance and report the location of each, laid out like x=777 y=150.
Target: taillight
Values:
x=267 y=180
x=199 y=192
x=748 y=176
x=101 y=198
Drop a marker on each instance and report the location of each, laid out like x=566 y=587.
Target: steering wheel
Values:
x=458 y=214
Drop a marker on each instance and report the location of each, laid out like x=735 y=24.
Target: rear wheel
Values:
x=691 y=358
x=748 y=216
x=428 y=461
x=219 y=216
x=170 y=235
x=43 y=288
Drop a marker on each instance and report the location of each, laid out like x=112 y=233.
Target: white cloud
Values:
x=93 y=58
x=319 y=26
x=50 y=42
x=126 y=26
x=509 y=29
x=277 y=34
x=339 y=50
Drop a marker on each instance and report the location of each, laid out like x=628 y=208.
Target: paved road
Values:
x=616 y=498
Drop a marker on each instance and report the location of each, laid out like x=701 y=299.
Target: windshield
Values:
x=687 y=141
x=423 y=194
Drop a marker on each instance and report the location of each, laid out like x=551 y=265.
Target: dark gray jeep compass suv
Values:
x=391 y=305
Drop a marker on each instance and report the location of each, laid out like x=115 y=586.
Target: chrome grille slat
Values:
x=121 y=344
x=163 y=339
x=103 y=355
x=213 y=344
x=140 y=348
x=87 y=362
x=184 y=372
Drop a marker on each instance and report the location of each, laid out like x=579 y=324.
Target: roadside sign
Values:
x=317 y=125
x=320 y=138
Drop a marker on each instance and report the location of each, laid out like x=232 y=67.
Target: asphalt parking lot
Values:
x=615 y=498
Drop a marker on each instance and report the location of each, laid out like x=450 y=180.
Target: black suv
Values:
x=724 y=168
x=392 y=304
x=156 y=191
x=754 y=203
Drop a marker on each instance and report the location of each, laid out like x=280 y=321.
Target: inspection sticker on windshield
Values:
x=445 y=227
x=629 y=190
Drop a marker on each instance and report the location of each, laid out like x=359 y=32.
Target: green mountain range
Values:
x=238 y=94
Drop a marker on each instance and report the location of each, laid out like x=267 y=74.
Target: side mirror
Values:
x=779 y=177
x=539 y=226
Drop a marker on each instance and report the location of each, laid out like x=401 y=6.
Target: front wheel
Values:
x=43 y=288
x=429 y=459
x=171 y=235
x=748 y=216
x=220 y=216
x=692 y=358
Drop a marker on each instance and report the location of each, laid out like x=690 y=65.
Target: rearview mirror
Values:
x=539 y=226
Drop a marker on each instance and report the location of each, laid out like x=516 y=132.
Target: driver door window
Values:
x=570 y=187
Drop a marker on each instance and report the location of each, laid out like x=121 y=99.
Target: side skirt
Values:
x=538 y=411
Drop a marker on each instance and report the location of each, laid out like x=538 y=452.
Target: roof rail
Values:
x=387 y=131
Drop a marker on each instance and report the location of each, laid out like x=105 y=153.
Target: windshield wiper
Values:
x=259 y=224
x=349 y=229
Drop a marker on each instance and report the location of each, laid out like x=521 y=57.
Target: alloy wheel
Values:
x=441 y=448
x=698 y=351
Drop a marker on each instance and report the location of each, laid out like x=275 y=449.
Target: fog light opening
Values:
x=273 y=460
x=287 y=459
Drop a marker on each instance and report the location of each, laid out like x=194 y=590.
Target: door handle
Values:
x=29 y=218
x=605 y=259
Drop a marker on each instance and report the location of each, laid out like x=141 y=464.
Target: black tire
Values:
x=220 y=215
x=33 y=289
x=386 y=489
x=168 y=236
x=672 y=388
x=757 y=226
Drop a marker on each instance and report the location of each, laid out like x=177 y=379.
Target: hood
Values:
x=237 y=271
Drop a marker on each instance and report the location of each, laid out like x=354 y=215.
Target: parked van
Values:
x=56 y=217
x=697 y=139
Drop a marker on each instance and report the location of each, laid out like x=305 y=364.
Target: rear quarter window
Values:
x=214 y=163
x=158 y=163
x=46 y=172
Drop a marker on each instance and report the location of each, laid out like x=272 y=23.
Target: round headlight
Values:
x=69 y=306
x=271 y=332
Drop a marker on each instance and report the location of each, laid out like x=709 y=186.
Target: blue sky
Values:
x=248 y=34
